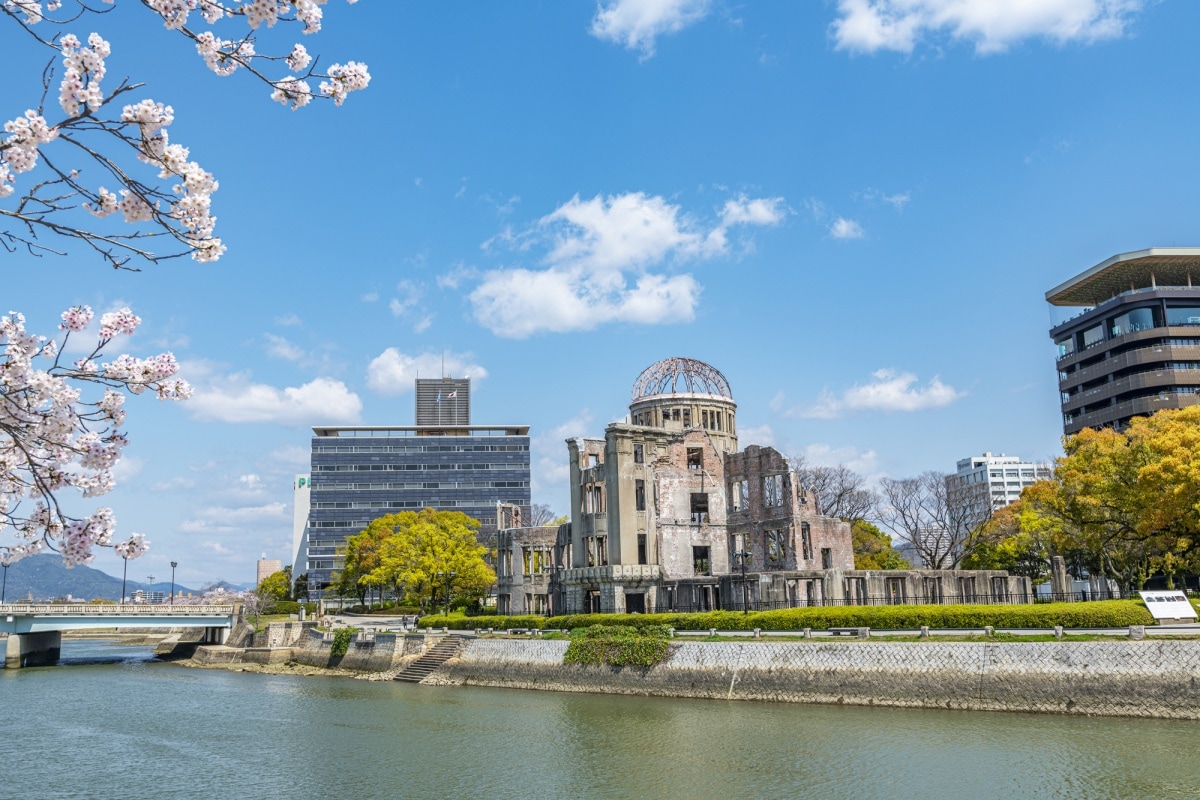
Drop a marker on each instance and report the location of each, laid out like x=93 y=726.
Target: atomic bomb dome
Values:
x=681 y=393
x=680 y=376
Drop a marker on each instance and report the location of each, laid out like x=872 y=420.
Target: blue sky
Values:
x=853 y=209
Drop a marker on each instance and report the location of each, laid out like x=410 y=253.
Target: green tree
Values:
x=277 y=585
x=425 y=554
x=1125 y=504
x=873 y=548
x=361 y=554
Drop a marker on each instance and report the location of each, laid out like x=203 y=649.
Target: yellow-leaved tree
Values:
x=428 y=556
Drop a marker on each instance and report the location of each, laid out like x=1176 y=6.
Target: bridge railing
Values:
x=127 y=610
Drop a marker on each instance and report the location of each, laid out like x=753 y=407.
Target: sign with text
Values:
x=1171 y=604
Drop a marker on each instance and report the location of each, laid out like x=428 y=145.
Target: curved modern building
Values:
x=1135 y=347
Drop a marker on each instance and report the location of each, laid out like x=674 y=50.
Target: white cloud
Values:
x=518 y=303
x=294 y=457
x=872 y=25
x=889 y=391
x=458 y=274
x=761 y=435
x=407 y=305
x=247 y=514
x=638 y=23
x=897 y=201
x=280 y=347
x=370 y=297
x=393 y=372
x=843 y=228
x=217 y=548
x=549 y=466
x=864 y=462
x=251 y=481
x=234 y=398
x=288 y=320
x=599 y=252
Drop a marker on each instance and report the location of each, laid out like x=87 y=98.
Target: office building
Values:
x=360 y=473
x=983 y=484
x=300 y=500
x=1135 y=347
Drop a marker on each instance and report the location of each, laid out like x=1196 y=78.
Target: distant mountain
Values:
x=43 y=577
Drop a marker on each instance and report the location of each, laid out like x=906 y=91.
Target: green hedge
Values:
x=617 y=645
x=461 y=622
x=1102 y=614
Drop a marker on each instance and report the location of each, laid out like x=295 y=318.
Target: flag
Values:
x=439 y=398
x=452 y=394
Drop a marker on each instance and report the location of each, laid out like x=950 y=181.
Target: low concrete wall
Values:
x=1152 y=678
x=378 y=653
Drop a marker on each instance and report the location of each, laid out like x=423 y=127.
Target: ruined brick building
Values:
x=668 y=514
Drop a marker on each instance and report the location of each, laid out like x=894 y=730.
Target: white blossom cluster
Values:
x=52 y=439
x=83 y=68
x=183 y=210
x=20 y=149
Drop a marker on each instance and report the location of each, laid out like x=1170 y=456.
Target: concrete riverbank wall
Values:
x=1148 y=678
x=301 y=643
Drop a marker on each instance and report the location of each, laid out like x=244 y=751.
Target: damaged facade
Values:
x=524 y=563
x=668 y=514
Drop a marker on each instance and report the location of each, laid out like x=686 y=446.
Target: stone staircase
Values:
x=433 y=658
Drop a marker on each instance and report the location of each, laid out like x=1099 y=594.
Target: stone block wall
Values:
x=1151 y=678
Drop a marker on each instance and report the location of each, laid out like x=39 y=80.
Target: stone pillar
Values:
x=1060 y=581
x=33 y=649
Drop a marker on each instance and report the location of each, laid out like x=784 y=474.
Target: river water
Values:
x=109 y=722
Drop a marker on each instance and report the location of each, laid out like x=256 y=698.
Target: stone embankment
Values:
x=1148 y=678
x=299 y=646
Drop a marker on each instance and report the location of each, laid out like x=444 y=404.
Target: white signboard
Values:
x=1169 y=605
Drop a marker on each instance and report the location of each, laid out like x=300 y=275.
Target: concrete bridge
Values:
x=35 y=630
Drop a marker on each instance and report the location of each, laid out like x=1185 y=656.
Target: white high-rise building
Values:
x=988 y=482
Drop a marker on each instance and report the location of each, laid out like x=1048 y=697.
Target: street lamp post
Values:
x=150 y=590
x=743 y=556
x=174 y=564
x=124 y=574
x=4 y=585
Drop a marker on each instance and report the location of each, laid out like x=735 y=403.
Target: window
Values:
x=773 y=491
x=1183 y=316
x=699 y=507
x=642 y=555
x=593 y=460
x=695 y=458
x=739 y=495
x=776 y=546
x=602 y=550
x=639 y=495
x=826 y=558
x=806 y=541
x=700 y=562
x=639 y=454
x=1092 y=336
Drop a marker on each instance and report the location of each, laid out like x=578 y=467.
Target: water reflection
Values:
x=142 y=728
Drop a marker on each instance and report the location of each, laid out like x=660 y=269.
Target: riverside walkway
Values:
x=35 y=630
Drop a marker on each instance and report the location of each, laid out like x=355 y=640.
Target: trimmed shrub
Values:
x=461 y=622
x=341 y=641
x=1101 y=614
x=617 y=645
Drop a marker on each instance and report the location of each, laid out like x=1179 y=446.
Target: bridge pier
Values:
x=33 y=649
x=216 y=635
